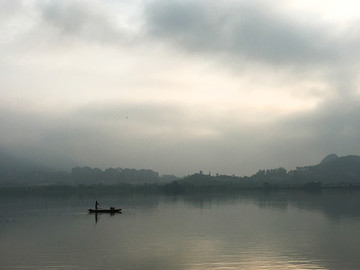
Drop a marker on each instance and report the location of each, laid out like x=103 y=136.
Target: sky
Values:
x=226 y=87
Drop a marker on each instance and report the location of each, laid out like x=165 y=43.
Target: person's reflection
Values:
x=97 y=216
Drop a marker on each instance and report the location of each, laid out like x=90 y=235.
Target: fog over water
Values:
x=179 y=86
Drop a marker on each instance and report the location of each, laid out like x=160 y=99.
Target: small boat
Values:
x=111 y=210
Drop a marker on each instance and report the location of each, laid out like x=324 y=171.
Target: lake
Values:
x=248 y=230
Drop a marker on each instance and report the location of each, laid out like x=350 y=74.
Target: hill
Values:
x=20 y=171
x=334 y=169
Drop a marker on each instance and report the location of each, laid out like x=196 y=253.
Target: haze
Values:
x=180 y=86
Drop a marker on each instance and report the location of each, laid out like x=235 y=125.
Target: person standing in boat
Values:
x=96 y=205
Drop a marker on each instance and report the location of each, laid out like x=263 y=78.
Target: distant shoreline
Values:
x=164 y=189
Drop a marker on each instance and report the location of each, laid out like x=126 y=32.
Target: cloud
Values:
x=252 y=36
x=170 y=139
x=42 y=22
x=227 y=87
x=333 y=125
x=236 y=31
x=242 y=30
x=80 y=21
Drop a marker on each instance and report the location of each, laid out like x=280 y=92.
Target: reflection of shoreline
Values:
x=173 y=188
x=334 y=203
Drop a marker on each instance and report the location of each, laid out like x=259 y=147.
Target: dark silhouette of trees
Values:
x=332 y=171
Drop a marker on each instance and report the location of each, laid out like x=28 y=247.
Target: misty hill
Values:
x=10 y=165
x=15 y=170
x=334 y=169
x=331 y=170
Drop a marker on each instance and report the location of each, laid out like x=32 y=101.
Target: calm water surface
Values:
x=257 y=230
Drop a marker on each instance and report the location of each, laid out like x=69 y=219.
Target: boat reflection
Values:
x=98 y=211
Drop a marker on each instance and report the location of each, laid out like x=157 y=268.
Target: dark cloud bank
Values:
x=240 y=30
